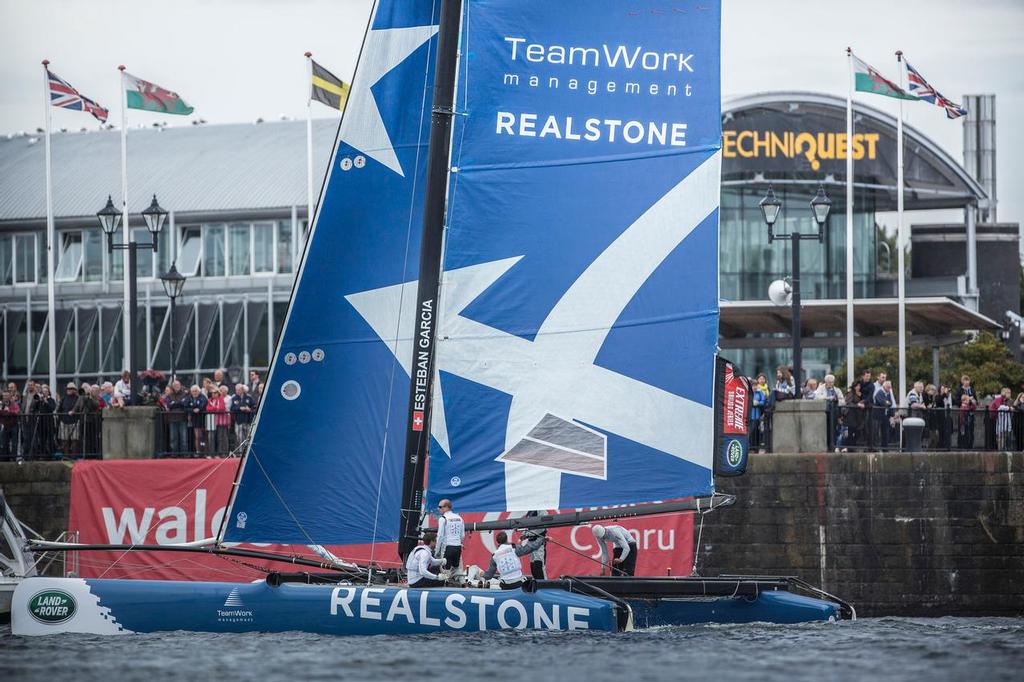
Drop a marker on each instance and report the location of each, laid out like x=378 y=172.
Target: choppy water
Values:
x=923 y=650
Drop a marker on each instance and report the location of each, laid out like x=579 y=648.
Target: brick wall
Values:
x=907 y=534
x=39 y=493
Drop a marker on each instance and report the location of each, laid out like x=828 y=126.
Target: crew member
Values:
x=450 y=532
x=505 y=561
x=420 y=561
x=624 y=557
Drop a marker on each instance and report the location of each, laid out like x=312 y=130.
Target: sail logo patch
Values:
x=417 y=420
x=240 y=519
x=734 y=453
x=52 y=606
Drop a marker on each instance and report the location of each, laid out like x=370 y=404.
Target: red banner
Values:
x=171 y=501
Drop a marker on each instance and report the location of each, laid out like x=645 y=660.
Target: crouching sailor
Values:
x=420 y=561
x=505 y=561
x=624 y=557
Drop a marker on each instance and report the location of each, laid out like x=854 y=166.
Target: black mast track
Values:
x=696 y=504
x=417 y=437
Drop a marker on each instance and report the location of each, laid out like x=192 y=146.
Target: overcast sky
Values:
x=236 y=60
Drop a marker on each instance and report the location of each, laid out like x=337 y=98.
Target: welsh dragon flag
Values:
x=151 y=97
x=867 y=79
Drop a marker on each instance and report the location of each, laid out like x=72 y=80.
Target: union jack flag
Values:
x=66 y=97
x=921 y=88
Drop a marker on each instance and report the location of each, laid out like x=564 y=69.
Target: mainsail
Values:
x=579 y=306
x=325 y=462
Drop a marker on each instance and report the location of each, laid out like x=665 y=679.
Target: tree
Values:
x=988 y=362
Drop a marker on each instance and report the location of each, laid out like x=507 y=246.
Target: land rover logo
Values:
x=52 y=606
x=734 y=453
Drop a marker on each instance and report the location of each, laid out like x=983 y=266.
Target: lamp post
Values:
x=770 y=206
x=110 y=219
x=173 y=282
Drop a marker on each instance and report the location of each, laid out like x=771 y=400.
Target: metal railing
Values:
x=202 y=434
x=51 y=435
x=866 y=427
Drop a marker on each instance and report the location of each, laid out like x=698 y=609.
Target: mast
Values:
x=417 y=437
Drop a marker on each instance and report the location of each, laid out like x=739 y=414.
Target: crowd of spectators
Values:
x=869 y=414
x=213 y=418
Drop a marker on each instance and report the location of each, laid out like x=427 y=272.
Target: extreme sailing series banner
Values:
x=166 y=502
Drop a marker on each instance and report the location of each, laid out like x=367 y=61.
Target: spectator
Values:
x=47 y=426
x=915 y=399
x=124 y=387
x=242 y=409
x=221 y=419
x=810 y=389
x=255 y=386
x=878 y=384
x=853 y=418
x=827 y=391
x=69 y=429
x=966 y=389
x=867 y=386
x=30 y=406
x=207 y=386
x=944 y=407
x=89 y=406
x=758 y=400
x=785 y=387
x=195 y=406
x=10 y=408
x=965 y=429
x=107 y=394
x=177 y=419
x=1001 y=408
x=883 y=412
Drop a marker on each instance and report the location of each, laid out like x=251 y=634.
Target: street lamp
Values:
x=110 y=220
x=174 y=283
x=770 y=206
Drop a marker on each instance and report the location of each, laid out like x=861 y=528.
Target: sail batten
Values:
x=580 y=309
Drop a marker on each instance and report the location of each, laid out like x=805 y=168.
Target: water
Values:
x=922 y=650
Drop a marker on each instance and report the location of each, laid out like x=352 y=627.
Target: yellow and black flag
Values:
x=328 y=88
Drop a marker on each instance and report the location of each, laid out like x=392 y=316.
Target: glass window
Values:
x=142 y=237
x=69 y=266
x=6 y=260
x=115 y=259
x=263 y=247
x=213 y=250
x=25 y=257
x=190 y=251
x=41 y=259
x=285 y=256
x=95 y=243
x=239 y=248
x=163 y=256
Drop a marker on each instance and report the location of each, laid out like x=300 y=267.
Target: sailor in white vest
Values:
x=624 y=557
x=505 y=561
x=420 y=561
x=450 y=532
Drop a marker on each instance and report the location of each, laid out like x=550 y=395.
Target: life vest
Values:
x=508 y=564
x=454 y=529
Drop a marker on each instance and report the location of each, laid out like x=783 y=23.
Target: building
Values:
x=237 y=199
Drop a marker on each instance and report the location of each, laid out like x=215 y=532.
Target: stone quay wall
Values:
x=894 y=534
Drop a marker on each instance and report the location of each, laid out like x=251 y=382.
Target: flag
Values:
x=328 y=88
x=923 y=90
x=66 y=97
x=151 y=97
x=867 y=79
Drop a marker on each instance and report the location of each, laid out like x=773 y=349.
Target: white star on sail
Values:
x=555 y=374
x=362 y=126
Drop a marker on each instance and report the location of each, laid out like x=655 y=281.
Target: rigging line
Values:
x=298 y=524
x=194 y=488
x=401 y=299
x=575 y=551
x=465 y=108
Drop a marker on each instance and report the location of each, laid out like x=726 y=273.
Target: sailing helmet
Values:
x=598 y=531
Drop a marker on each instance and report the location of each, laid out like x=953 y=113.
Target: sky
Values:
x=239 y=60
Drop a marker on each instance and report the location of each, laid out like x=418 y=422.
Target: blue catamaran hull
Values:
x=44 y=606
x=53 y=605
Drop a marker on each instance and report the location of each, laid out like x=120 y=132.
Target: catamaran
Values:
x=512 y=273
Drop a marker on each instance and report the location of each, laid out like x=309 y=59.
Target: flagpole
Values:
x=309 y=141
x=51 y=306
x=126 y=237
x=901 y=239
x=849 y=219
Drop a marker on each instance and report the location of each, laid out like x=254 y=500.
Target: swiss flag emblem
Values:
x=417 y=421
